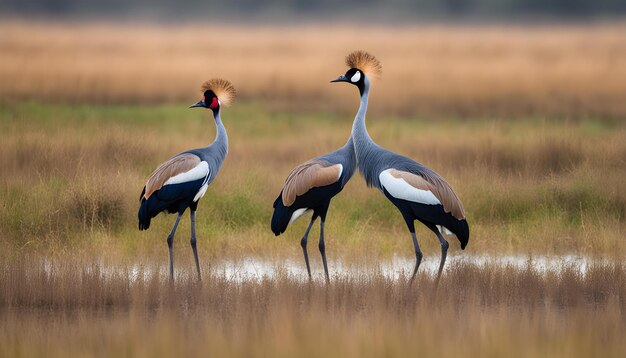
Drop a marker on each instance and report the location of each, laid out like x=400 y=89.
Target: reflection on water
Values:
x=396 y=268
x=251 y=269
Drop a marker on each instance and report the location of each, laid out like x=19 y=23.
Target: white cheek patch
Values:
x=356 y=77
x=400 y=189
x=198 y=172
x=340 y=171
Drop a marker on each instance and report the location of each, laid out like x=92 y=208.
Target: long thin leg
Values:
x=444 y=253
x=418 y=255
x=193 y=241
x=322 y=247
x=170 y=242
x=303 y=242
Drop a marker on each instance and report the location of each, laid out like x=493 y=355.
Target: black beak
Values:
x=199 y=104
x=341 y=78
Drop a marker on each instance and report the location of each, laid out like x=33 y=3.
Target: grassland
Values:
x=527 y=125
x=72 y=174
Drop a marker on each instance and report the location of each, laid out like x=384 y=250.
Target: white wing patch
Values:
x=296 y=214
x=340 y=171
x=201 y=192
x=400 y=189
x=444 y=230
x=198 y=172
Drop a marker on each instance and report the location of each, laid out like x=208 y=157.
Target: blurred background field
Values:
x=564 y=71
x=527 y=125
x=524 y=116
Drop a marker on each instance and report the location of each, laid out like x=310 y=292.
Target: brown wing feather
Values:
x=172 y=167
x=438 y=186
x=311 y=174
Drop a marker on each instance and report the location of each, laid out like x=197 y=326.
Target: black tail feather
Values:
x=144 y=215
x=173 y=198
x=281 y=216
x=152 y=207
x=462 y=232
x=435 y=215
x=459 y=228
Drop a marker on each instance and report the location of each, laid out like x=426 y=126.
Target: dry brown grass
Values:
x=462 y=70
x=74 y=308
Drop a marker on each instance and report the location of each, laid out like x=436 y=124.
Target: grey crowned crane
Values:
x=310 y=187
x=417 y=191
x=180 y=182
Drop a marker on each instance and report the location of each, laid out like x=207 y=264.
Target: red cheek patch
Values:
x=214 y=104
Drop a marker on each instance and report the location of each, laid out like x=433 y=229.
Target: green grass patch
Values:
x=72 y=175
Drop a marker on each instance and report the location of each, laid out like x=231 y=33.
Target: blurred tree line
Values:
x=349 y=9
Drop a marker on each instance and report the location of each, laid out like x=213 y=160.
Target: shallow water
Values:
x=254 y=269
x=397 y=267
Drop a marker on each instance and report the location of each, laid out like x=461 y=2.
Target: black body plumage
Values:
x=430 y=216
x=175 y=198
x=316 y=199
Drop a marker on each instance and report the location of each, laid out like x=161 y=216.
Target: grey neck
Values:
x=368 y=153
x=221 y=137
x=215 y=153
x=219 y=148
x=359 y=130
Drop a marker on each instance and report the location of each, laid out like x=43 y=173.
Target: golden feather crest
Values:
x=365 y=62
x=223 y=89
